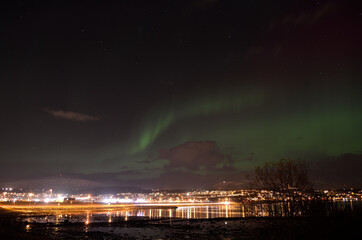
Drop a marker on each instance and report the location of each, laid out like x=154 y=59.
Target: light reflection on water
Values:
x=114 y=215
x=124 y=214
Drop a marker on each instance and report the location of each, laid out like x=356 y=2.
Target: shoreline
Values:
x=341 y=226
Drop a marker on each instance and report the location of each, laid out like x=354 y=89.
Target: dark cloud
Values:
x=109 y=176
x=145 y=161
x=338 y=171
x=73 y=116
x=179 y=179
x=196 y=155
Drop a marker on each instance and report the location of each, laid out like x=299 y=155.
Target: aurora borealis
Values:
x=178 y=94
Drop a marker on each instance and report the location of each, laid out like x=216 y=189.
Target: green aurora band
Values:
x=254 y=122
x=217 y=103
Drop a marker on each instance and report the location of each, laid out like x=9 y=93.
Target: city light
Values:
x=160 y=198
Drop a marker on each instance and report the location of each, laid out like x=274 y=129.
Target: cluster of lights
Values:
x=169 y=198
x=123 y=200
x=117 y=200
x=56 y=199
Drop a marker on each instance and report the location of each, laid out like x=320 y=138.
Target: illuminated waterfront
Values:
x=89 y=213
x=159 y=197
x=48 y=207
x=86 y=215
x=116 y=213
x=149 y=220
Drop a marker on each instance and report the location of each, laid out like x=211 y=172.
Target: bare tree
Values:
x=289 y=181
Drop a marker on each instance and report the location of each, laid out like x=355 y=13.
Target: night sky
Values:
x=178 y=94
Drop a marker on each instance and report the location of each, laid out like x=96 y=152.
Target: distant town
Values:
x=17 y=196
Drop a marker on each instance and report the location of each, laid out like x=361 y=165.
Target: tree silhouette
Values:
x=289 y=181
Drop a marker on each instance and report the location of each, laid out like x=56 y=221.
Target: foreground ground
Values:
x=12 y=226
